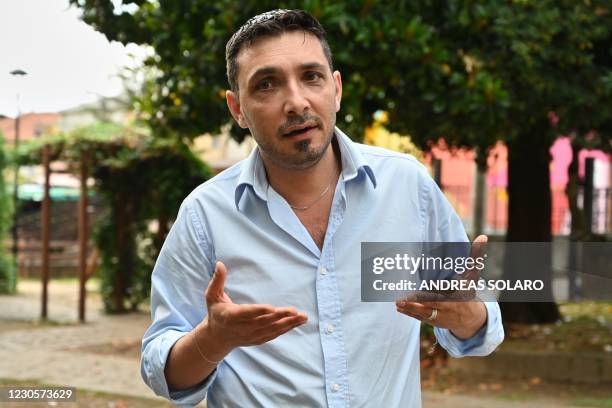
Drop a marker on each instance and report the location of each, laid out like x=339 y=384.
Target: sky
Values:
x=68 y=62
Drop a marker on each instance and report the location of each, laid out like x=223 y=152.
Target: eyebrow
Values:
x=312 y=65
x=264 y=71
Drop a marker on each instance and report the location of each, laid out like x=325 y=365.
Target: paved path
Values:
x=58 y=354
x=70 y=354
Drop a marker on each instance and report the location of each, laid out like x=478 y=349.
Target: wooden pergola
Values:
x=82 y=233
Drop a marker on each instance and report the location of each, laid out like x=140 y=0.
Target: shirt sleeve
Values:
x=442 y=224
x=483 y=343
x=178 y=282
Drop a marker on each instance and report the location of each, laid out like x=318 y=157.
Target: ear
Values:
x=338 y=85
x=233 y=103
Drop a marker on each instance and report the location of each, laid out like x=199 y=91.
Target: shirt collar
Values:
x=353 y=162
x=253 y=173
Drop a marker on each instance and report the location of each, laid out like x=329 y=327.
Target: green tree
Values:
x=8 y=279
x=472 y=71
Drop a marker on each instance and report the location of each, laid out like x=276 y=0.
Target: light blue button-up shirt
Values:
x=349 y=353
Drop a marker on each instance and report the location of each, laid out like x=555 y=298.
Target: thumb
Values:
x=479 y=245
x=216 y=286
x=478 y=250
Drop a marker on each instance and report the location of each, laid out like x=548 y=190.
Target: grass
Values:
x=515 y=397
x=595 y=403
x=586 y=327
x=12 y=325
x=597 y=309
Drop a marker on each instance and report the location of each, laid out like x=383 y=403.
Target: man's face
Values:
x=288 y=98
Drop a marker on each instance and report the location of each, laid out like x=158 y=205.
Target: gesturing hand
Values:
x=235 y=325
x=463 y=318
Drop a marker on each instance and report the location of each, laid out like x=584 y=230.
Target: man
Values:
x=274 y=243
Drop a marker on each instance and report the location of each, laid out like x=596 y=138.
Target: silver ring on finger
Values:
x=433 y=316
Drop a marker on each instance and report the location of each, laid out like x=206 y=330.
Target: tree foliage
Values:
x=142 y=182
x=474 y=72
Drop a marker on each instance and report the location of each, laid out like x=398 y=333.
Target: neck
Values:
x=312 y=181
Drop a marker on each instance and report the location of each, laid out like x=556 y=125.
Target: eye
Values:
x=313 y=76
x=264 y=84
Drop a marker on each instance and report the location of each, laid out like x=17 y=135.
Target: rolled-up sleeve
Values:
x=483 y=343
x=178 y=282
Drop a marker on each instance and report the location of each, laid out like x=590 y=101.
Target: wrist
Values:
x=474 y=324
x=216 y=348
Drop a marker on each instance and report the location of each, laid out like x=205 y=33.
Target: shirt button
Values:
x=323 y=271
x=330 y=328
x=335 y=387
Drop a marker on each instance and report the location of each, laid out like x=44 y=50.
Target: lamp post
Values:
x=16 y=72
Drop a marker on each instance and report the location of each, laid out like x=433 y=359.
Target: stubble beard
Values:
x=305 y=157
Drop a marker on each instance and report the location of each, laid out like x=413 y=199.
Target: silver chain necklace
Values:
x=316 y=200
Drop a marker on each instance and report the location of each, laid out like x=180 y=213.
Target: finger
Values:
x=410 y=306
x=415 y=309
x=216 y=286
x=280 y=325
x=278 y=314
x=284 y=330
x=446 y=307
x=437 y=305
x=425 y=296
x=414 y=316
x=271 y=335
x=445 y=296
x=248 y=312
x=478 y=250
x=479 y=245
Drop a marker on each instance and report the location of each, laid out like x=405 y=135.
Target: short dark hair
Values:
x=270 y=24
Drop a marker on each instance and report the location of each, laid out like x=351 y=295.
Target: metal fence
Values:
x=602 y=211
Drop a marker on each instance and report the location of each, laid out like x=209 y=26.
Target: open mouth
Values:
x=301 y=131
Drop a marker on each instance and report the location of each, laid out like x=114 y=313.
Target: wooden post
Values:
x=45 y=232
x=437 y=172
x=478 y=223
x=15 y=229
x=83 y=237
x=589 y=172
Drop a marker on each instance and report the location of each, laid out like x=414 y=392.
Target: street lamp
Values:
x=16 y=72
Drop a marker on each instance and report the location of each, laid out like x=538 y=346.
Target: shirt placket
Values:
x=330 y=315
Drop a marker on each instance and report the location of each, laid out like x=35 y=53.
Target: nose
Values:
x=296 y=102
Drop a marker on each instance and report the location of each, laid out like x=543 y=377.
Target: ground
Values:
x=101 y=359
